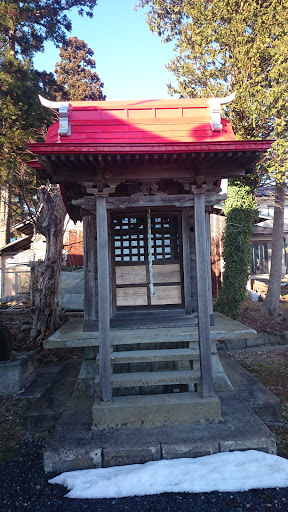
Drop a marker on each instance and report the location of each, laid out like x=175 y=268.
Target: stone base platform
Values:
x=75 y=445
x=156 y=410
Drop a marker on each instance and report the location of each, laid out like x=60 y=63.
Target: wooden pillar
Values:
x=186 y=262
x=202 y=293
x=90 y=274
x=103 y=300
x=209 y=276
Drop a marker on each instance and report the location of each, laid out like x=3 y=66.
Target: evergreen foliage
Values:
x=26 y=25
x=233 y=45
x=22 y=120
x=75 y=75
x=21 y=114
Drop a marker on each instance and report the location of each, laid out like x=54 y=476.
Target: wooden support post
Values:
x=103 y=300
x=186 y=262
x=202 y=294
x=209 y=277
x=90 y=274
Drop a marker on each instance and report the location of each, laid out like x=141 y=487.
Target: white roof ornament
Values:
x=63 y=107
x=215 y=111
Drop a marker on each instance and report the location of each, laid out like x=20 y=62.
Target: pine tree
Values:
x=233 y=45
x=22 y=120
x=26 y=25
x=75 y=75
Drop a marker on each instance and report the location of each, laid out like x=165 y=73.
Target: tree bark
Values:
x=271 y=303
x=47 y=276
x=5 y=209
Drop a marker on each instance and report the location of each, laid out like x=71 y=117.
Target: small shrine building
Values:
x=143 y=176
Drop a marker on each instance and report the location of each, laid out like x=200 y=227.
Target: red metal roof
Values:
x=164 y=121
x=152 y=126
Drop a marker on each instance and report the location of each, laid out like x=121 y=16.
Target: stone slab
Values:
x=156 y=410
x=192 y=449
x=16 y=374
x=249 y=390
x=47 y=409
x=72 y=334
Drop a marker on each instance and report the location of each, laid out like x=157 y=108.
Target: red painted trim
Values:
x=114 y=148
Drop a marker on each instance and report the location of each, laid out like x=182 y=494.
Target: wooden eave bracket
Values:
x=63 y=108
x=215 y=111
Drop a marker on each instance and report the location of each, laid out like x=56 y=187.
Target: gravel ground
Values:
x=25 y=487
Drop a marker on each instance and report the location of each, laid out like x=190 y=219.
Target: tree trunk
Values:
x=271 y=303
x=51 y=225
x=5 y=209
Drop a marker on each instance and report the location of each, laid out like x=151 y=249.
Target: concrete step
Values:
x=128 y=380
x=138 y=356
x=156 y=410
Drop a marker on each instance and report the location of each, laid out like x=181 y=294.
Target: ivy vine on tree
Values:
x=240 y=212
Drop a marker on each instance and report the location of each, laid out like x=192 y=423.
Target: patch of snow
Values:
x=224 y=472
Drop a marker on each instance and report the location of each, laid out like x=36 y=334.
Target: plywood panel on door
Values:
x=134 y=296
x=167 y=273
x=131 y=274
x=166 y=295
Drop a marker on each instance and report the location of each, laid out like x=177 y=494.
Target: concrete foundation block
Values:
x=156 y=410
x=235 y=344
x=256 y=342
x=189 y=449
x=121 y=456
x=16 y=374
x=273 y=339
x=72 y=460
x=264 y=444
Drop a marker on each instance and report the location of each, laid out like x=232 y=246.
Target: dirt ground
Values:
x=252 y=316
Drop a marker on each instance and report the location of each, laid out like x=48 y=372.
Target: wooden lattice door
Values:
x=130 y=257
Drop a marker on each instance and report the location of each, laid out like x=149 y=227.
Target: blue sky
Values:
x=130 y=60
